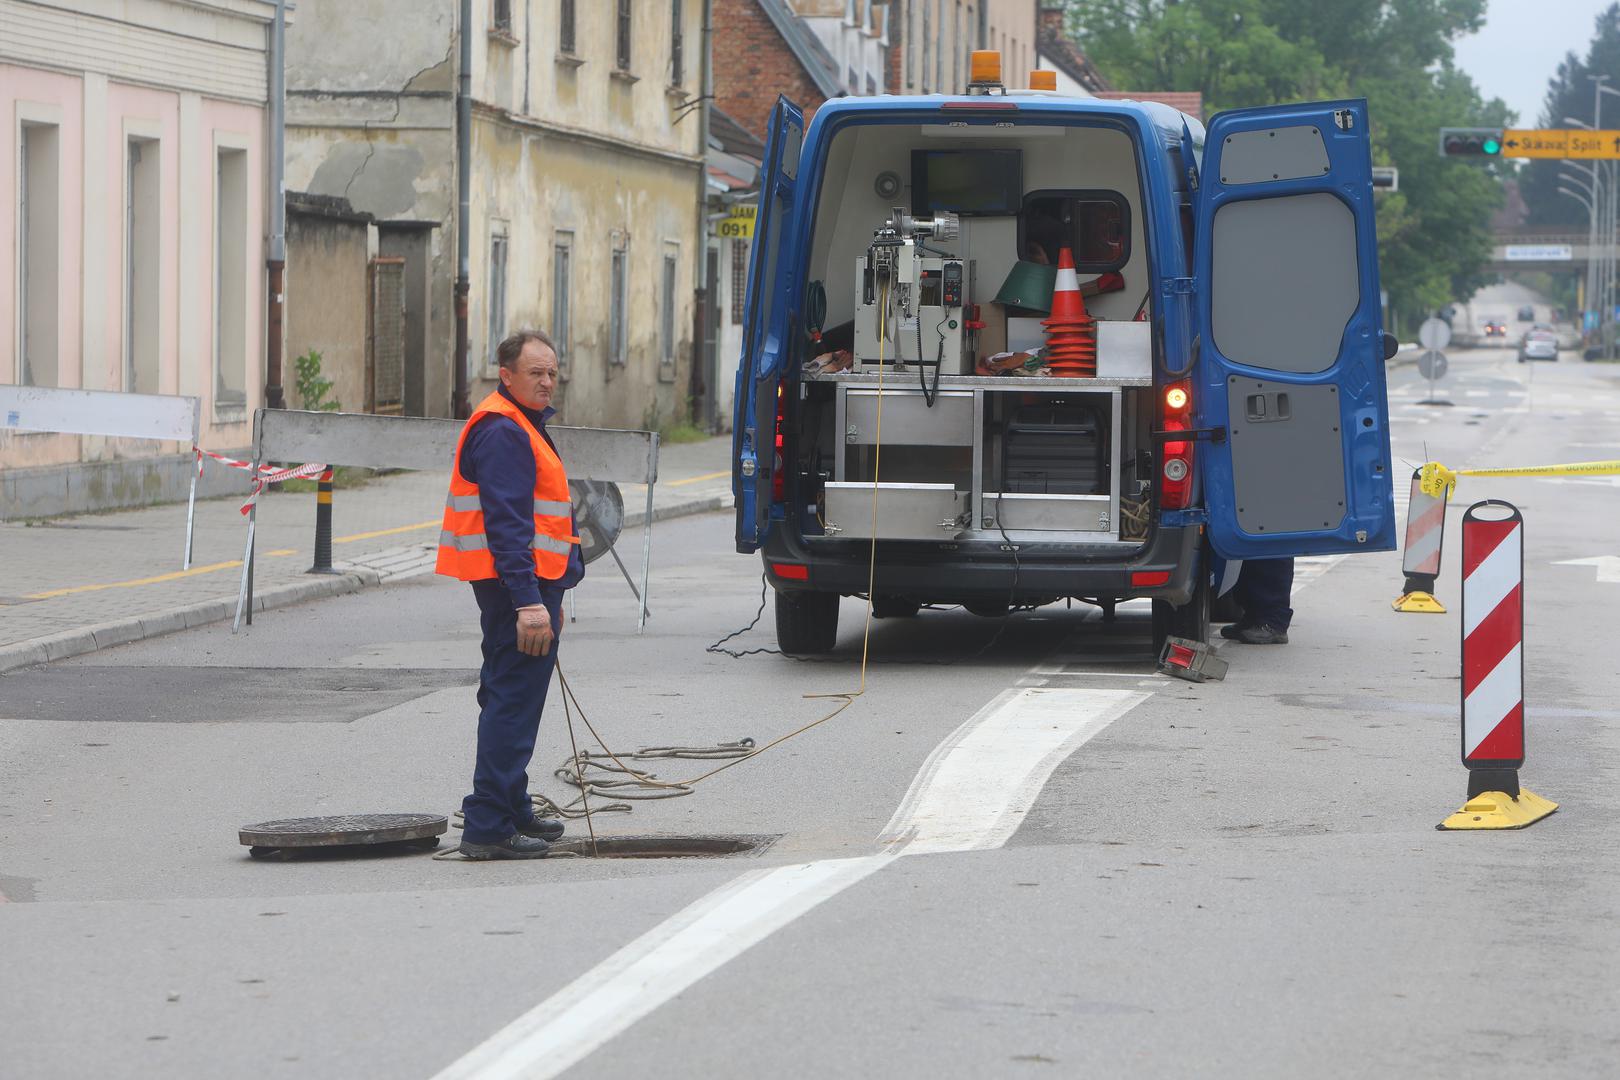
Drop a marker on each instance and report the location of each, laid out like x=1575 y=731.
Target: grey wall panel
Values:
x=1284 y=281
x=1287 y=456
x=1290 y=153
x=408 y=442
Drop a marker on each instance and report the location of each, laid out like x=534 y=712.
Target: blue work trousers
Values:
x=511 y=694
x=1263 y=591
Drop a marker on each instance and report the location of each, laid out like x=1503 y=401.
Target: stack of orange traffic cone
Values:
x=1071 y=334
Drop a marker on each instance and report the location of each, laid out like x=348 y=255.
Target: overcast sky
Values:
x=1521 y=46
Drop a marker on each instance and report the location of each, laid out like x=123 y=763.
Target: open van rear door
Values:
x=766 y=329
x=1290 y=376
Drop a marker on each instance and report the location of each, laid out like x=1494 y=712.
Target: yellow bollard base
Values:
x=1420 y=602
x=1499 y=810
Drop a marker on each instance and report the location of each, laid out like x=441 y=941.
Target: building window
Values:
x=501 y=21
x=562 y=251
x=230 y=279
x=497 y=292
x=617 y=284
x=38 y=251
x=142 y=266
x=677 y=63
x=622 y=52
x=667 y=305
x=939 y=55
x=739 y=280
x=565 y=28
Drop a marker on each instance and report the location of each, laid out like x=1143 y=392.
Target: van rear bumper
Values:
x=935 y=574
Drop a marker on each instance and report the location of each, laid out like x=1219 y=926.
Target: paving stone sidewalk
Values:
x=74 y=584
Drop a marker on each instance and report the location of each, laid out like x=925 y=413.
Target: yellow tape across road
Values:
x=1434 y=477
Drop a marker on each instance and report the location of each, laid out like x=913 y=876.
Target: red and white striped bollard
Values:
x=1493 y=672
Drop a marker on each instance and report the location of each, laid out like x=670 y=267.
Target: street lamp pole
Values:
x=1600 y=252
x=1593 y=186
x=1591 y=226
x=1599 y=81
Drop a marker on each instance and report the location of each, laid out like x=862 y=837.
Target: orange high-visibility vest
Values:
x=463 y=545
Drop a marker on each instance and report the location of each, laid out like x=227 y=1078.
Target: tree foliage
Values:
x=1570 y=94
x=1434 y=234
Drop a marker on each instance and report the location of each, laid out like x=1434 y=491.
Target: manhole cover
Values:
x=344 y=832
x=662 y=847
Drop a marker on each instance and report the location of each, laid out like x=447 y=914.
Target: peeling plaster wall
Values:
x=560 y=142
x=327 y=304
x=376 y=125
x=534 y=183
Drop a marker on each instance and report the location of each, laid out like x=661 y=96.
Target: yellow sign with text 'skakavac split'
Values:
x=1560 y=143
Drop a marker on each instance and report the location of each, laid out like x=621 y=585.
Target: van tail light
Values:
x=1176 y=457
x=778 y=467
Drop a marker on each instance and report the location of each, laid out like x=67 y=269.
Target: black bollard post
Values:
x=323 y=525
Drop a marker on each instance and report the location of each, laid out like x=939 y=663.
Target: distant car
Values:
x=1496 y=328
x=1527 y=314
x=1538 y=343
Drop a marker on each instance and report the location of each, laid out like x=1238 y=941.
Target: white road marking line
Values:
x=976 y=786
x=971 y=794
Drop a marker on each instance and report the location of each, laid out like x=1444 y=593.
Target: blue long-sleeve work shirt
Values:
x=498 y=458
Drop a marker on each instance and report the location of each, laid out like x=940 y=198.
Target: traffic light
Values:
x=1470 y=142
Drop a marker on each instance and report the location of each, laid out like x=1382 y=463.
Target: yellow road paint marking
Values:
x=175 y=575
x=154 y=580
x=435 y=523
x=698 y=479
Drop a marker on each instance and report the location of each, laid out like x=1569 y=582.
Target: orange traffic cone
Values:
x=1071 y=334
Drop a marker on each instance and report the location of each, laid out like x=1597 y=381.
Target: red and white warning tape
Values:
x=228 y=462
x=268 y=474
x=276 y=476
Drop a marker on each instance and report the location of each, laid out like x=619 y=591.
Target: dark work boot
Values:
x=1234 y=631
x=516 y=846
x=1262 y=635
x=547 y=829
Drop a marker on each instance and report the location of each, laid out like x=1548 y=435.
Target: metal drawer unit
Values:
x=923 y=510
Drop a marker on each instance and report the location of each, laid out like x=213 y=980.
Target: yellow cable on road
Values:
x=1434 y=477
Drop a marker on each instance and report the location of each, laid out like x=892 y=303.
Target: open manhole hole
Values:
x=662 y=847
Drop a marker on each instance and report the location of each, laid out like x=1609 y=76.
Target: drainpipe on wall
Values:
x=274 y=395
x=459 y=404
x=700 y=384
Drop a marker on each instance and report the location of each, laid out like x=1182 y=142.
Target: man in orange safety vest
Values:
x=509 y=530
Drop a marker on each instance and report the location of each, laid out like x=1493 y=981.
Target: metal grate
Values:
x=385 y=362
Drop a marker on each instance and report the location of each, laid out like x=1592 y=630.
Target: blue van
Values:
x=922 y=416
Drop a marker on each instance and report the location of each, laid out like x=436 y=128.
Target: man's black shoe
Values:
x=1262 y=635
x=516 y=846
x=547 y=829
x=1233 y=631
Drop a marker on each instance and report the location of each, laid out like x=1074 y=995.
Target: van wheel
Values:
x=894 y=607
x=806 y=622
x=1190 y=620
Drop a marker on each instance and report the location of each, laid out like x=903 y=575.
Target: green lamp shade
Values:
x=1029 y=286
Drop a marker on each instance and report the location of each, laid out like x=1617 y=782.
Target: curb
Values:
x=89 y=639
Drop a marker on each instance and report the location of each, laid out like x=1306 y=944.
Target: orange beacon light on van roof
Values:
x=985 y=68
x=1043 y=80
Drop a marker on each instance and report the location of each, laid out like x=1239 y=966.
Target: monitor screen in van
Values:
x=966 y=182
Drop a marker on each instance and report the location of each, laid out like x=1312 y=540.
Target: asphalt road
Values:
x=1020 y=856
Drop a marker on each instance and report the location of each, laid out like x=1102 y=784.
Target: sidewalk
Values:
x=75 y=584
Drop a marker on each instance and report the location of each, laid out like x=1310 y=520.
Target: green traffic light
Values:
x=1492 y=145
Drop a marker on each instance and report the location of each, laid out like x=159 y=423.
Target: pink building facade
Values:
x=133 y=212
